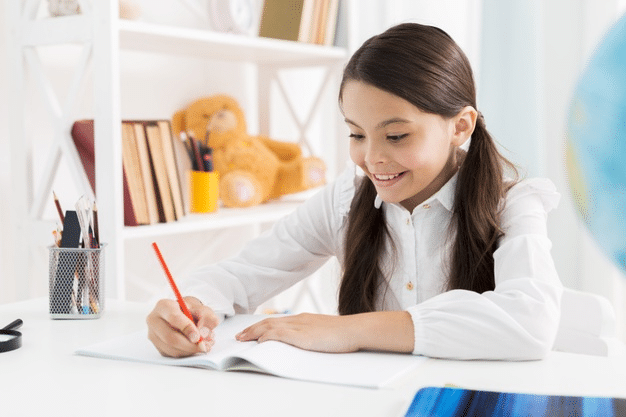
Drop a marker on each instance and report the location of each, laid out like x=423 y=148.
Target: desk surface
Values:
x=44 y=377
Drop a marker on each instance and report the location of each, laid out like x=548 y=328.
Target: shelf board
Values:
x=137 y=35
x=173 y=40
x=223 y=218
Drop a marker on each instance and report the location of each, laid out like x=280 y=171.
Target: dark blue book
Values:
x=458 y=402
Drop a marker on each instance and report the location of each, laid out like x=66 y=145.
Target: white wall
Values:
x=460 y=18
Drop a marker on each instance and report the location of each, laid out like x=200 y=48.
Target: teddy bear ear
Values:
x=178 y=122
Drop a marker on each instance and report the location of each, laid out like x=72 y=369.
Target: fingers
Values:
x=205 y=318
x=172 y=333
x=269 y=329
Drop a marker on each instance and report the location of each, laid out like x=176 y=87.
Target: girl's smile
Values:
x=386 y=180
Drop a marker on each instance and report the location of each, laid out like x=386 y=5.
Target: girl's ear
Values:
x=464 y=124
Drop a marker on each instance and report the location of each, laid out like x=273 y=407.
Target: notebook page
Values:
x=363 y=369
x=137 y=348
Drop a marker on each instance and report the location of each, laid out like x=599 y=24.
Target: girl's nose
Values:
x=375 y=153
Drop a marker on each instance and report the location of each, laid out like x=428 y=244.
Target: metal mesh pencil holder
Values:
x=76 y=282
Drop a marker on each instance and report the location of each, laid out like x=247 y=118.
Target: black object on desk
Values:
x=15 y=337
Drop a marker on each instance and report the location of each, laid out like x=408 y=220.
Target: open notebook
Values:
x=364 y=369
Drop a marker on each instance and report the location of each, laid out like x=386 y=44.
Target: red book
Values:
x=83 y=134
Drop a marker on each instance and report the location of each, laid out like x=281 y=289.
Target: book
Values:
x=459 y=402
x=146 y=172
x=184 y=166
x=131 y=164
x=155 y=146
x=323 y=16
x=316 y=21
x=362 y=369
x=306 y=21
x=171 y=167
x=281 y=19
x=331 y=23
x=83 y=136
x=152 y=179
x=309 y=21
x=320 y=32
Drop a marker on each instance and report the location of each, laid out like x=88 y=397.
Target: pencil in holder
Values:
x=204 y=191
x=76 y=282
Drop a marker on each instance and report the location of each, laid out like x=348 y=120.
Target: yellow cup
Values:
x=204 y=191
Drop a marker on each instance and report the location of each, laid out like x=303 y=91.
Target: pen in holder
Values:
x=76 y=282
x=204 y=191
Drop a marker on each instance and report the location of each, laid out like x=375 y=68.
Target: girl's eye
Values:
x=395 y=138
x=356 y=136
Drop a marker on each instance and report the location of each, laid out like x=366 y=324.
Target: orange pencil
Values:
x=181 y=302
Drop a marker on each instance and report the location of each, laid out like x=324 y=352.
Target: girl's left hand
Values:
x=317 y=332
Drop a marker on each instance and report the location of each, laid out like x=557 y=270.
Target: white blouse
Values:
x=518 y=320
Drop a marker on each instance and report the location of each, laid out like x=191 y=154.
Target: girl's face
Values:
x=407 y=153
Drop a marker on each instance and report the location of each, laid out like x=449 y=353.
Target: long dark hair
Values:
x=423 y=65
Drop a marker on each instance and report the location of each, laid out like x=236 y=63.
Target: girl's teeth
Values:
x=385 y=177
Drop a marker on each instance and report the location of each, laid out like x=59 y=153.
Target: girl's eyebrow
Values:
x=382 y=124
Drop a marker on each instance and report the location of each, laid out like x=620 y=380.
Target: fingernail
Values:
x=194 y=337
x=205 y=332
x=203 y=347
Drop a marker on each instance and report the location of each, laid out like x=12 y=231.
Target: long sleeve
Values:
x=293 y=249
x=519 y=319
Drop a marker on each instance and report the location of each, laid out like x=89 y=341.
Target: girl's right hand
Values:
x=173 y=334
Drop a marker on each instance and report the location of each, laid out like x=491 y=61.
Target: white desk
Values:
x=44 y=377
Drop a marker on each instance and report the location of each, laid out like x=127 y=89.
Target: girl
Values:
x=441 y=254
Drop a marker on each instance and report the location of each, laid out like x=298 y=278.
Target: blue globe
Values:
x=596 y=145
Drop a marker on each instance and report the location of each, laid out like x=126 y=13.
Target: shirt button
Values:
x=426 y=206
x=408 y=222
x=409 y=286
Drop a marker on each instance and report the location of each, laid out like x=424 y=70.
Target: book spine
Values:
x=146 y=172
x=281 y=19
x=130 y=161
x=160 y=170
x=171 y=168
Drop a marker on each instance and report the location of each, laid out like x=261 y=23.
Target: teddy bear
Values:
x=252 y=168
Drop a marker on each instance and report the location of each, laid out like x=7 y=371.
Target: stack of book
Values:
x=309 y=21
x=153 y=167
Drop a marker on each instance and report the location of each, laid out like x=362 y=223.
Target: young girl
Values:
x=441 y=254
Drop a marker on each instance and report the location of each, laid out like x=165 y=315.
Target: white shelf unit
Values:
x=103 y=35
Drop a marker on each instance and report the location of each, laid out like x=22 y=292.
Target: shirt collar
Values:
x=445 y=195
x=378 y=201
